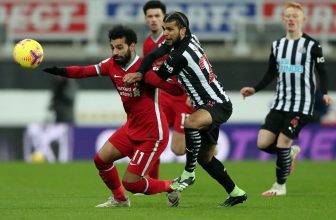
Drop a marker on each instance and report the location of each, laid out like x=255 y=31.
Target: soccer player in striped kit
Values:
x=188 y=62
x=294 y=61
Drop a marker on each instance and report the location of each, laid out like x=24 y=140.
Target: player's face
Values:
x=154 y=19
x=173 y=33
x=121 y=52
x=293 y=20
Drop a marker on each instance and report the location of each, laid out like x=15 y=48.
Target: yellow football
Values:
x=28 y=53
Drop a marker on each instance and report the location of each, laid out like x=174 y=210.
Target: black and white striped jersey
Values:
x=294 y=63
x=190 y=64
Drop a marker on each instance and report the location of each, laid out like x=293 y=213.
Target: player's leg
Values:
x=283 y=163
x=206 y=118
x=268 y=134
x=294 y=153
x=293 y=123
x=115 y=148
x=197 y=120
x=217 y=170
x=145 y=155
x=167 y=108
x=155 y=170
x=178 y=144
x=267 y=141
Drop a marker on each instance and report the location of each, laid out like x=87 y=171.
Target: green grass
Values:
x=70 y=191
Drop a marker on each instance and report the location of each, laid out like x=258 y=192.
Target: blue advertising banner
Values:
x=210 y=20
x=236 y=142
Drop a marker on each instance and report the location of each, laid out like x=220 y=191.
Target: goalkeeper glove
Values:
x=61 y=71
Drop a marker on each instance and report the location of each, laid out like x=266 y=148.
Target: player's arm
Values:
x=78 y=72
x=73 y=71
x=270 y=75
x=149 y=59
x=165 y=71
x=318 y=57
x=172 y=65
x=174 y=88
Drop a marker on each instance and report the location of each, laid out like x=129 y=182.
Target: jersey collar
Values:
x=136 y=58
x=156 y=39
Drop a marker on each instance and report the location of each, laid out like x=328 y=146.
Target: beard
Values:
x=122 y=61
x=176 y=42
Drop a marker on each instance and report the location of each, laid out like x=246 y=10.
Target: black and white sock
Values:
x=283 y=163
x=193 y=145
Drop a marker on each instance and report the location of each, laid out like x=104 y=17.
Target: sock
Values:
x=193 y=144
x=217 y=171
x=283 y=163
x=119 y=193
x=154 y=171
x=270 y=149
x=237 y=192
x=148 y=186
x=109 y=174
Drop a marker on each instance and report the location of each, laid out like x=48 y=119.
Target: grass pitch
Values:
x=70 y=191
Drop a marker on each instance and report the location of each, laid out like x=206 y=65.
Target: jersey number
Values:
x=137 y=157
x=205 y=64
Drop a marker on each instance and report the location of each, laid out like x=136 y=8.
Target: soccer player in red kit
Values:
x=145 y=134
x=175 y=108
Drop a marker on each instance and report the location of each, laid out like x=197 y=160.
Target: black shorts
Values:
x=288 y=123
x=220 y=113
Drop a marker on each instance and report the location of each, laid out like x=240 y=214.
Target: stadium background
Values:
x=236 y=36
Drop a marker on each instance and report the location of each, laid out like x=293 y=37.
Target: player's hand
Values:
x=61 y=71
x=131 y=78
x=328 y=101
x=247 y=91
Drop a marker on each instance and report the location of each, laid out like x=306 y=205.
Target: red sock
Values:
x=109 y=174
x=148 y=186
x=154 y=172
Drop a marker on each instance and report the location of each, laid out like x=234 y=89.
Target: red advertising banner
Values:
x=320 y=15
x=44 y=18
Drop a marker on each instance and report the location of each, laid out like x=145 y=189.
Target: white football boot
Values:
x=276 y=190
x=113 y=203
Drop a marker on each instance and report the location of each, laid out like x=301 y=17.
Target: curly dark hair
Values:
x=121 y=31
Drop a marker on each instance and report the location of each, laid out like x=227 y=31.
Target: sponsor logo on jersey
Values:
x=169 y=68
x=286 y=67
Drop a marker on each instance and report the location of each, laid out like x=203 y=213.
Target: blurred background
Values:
x=236 y=36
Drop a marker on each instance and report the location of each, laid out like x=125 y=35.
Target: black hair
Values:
x=121 y=31
x=180 y=19
x=154 y=5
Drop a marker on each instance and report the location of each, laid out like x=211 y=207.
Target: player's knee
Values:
x=100 y=164
x=261 y=144
x=191 y=123
x=136 y=187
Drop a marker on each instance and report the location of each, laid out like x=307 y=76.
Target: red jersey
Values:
x=145 y=120
x=172 y=111
x=150 y=43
